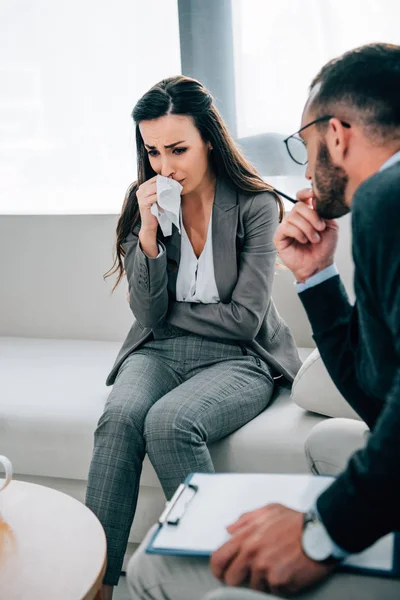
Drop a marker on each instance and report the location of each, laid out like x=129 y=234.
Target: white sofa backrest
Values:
x=52 y=285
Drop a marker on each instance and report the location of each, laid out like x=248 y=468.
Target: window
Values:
x=70 y=74
x=280 y=46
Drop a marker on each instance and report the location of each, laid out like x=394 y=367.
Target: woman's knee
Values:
x=168 y=423
x=121 y=414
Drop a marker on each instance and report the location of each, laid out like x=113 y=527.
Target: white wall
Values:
x=51 y=278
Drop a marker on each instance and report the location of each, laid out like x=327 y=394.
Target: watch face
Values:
x=316 y=542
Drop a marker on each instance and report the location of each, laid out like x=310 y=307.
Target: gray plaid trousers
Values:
x=170 y=399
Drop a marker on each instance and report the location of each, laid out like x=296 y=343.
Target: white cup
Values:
x=7 y=466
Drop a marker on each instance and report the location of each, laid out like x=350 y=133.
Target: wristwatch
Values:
x=316 y=542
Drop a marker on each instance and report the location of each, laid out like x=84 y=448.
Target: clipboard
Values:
x=194 y=521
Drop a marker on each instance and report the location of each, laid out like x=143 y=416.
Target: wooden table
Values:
x=51 y=546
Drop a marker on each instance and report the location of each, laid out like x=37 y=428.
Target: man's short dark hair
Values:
x=367 y=81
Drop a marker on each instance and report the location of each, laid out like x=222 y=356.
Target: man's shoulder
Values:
x=376 y=201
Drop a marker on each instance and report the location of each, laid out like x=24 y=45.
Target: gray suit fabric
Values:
x=189 y=374
x=244 y=265
x=170 y=399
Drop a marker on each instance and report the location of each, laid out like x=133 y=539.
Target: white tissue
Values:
x=169 y=200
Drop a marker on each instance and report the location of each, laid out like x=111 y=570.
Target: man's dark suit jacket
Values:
x=360 y=346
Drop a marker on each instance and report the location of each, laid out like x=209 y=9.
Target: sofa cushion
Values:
x=314 y=390
x=53 y=394
x=273 y=442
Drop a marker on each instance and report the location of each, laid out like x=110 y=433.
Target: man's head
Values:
x=355 y=100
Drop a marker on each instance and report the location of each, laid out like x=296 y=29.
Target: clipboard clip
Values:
x=168 y=515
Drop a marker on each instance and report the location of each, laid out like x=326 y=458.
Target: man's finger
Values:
x=290 y=232
x=234 y=527
x=238 y=569
x=254 y=519
x=305 y=194
x=258 y=579
x=244 y=519
x=307 y=228
x=221 y=558
x=309 y=214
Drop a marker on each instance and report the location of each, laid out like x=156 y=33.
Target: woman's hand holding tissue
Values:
x=146 y=197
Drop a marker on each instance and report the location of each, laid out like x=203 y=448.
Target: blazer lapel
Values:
x=224 y=228
x=173 y=247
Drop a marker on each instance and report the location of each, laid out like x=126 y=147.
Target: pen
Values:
x=292 y=200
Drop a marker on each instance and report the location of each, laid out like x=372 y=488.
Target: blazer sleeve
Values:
x=242 y=317
x=331 y=314
x=362 y=505
x=147 y=280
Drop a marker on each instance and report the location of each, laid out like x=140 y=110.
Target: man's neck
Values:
x=369 y=162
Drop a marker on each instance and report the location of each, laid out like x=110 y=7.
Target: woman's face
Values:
x=176 y=149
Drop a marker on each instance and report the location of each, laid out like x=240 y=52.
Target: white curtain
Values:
x=70 y=74
x=280 y=46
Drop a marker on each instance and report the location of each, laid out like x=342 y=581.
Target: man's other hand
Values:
x=265 y=551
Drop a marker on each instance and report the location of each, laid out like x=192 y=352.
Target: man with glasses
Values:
x=296 y=144
x=350 y=141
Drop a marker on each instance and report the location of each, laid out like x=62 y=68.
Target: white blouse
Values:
x=196 y=278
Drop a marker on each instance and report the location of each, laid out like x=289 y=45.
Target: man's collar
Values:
x=391 y=161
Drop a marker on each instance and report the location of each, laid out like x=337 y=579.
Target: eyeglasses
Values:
x=297 y=147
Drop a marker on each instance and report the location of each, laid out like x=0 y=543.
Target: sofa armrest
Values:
x=314 y=390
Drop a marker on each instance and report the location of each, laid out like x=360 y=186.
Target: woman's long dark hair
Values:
x=184 y=96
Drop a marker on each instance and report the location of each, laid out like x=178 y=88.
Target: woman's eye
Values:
x=180 y=150
x=177 y=151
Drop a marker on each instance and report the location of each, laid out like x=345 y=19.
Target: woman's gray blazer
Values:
x=244 y=263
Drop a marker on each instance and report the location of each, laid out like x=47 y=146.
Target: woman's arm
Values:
x=242 y=317
x=147 y=280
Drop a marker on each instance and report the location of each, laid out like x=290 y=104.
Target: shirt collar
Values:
x=391 y=161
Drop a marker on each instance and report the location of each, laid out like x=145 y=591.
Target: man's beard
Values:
x=331 y=182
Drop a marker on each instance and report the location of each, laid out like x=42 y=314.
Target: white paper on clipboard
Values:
x=200 y=518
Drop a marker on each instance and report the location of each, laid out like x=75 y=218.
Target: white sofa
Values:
x=60 y=330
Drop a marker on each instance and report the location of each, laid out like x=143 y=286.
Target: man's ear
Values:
x=337 y=139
